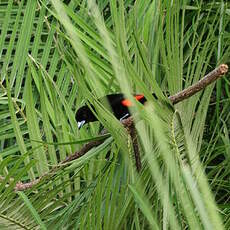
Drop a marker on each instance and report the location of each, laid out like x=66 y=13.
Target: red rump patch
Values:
x=128 y=103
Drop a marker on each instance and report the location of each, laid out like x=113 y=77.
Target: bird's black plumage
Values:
x=118 y=103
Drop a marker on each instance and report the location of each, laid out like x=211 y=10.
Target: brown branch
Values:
x=133 y=134
x=82 y=151
x=129 y=124
x=23 y=186
x=201 y=84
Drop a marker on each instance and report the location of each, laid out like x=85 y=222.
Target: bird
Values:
x=118 y=103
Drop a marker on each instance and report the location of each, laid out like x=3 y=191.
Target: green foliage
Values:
x=56 y=56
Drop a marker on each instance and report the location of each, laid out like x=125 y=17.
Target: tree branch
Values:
x=201 y=84
x=129 y=124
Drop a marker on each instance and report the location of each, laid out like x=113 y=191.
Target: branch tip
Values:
x=223 y=69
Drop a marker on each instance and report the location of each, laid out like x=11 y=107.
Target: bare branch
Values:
x=129 y=125
x=201 y=84
x=133 y=134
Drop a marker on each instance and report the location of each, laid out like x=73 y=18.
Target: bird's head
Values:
x=84 y=115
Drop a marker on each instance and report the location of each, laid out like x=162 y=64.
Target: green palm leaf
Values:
x=56 y=56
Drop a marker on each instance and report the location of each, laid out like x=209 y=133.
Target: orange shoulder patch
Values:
x=128 y=103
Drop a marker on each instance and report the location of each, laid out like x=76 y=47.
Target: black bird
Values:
x=119 y=105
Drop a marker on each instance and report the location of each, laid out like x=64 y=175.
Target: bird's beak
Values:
x=80 y=124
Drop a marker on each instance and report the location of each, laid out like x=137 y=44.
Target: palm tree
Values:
x=58 y=55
